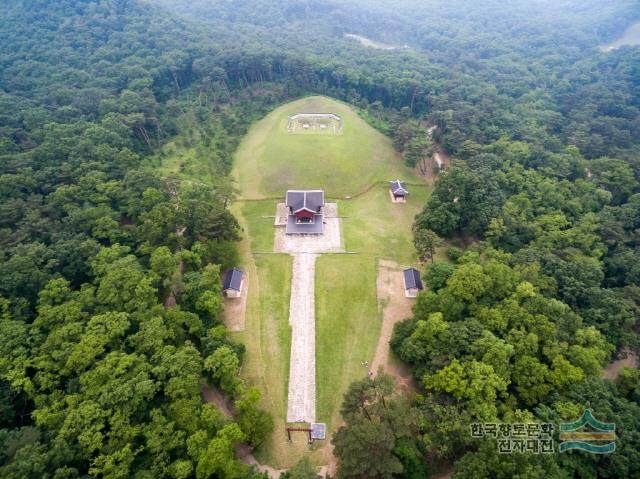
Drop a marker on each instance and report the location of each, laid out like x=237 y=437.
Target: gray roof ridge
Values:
x=232 y=275
x=397 y=185
x=412 y=278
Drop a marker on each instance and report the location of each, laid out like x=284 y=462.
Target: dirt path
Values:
x=244 y=454
x=447 y=474
x=213 y=396
x=395 y=307
x=613 y=369
x=441 y=159
x=331 y=468
x=235 y=308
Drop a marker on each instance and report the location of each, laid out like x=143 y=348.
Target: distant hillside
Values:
x=431 y=24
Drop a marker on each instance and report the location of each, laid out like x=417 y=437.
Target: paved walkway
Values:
x=301 y=405
x=301 y=401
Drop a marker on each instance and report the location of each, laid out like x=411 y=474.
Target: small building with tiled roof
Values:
x=305 y=211
x=398 y=190
x=232 y=284
x=412 y=282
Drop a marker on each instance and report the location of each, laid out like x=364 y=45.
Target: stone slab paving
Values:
x=301 y=405
x=305 y=249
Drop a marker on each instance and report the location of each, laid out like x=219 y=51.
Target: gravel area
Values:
x=301 y=405
x=328 y=242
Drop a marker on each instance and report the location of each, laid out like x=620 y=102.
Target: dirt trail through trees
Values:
x=213 y=396
x=612 y=370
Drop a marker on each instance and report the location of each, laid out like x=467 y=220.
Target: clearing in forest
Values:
x=356 y=163
x=630 y=37
x=367 y=42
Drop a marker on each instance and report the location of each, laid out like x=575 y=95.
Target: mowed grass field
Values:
x=270 y=160
x=348 y=320
x=347 y=329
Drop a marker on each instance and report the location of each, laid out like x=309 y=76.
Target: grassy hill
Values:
x=271 y=160
x=355 y=163
x=348 y=315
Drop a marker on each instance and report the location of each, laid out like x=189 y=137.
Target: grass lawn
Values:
x=270 y=160
x=376 y=226
x=347 y=328
x=347 y=317
x=261 y=228
x=267 y=334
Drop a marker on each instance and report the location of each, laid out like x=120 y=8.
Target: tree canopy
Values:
x=110 y=293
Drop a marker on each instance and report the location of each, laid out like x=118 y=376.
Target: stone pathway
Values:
x=301 y=405
x=301 y=401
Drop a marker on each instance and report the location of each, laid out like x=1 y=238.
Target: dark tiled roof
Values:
x=398 y=187
x=314 y=228
x=412 y=279
x=299 y=200
x=233 y=279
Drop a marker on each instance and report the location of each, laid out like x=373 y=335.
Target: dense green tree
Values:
x=102 y=379
x=365 y=449
x=223 y=365
x=464 y=201
x=426 y=242
x=379 y=421
x=437 y=275
x=615 y=176
x=254 y=422
x=302 y=470
x=217 y=460
x=488 y=463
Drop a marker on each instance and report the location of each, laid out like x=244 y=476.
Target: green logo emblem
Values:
x=600 y=439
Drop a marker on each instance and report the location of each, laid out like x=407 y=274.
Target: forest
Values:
x=110 y=292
